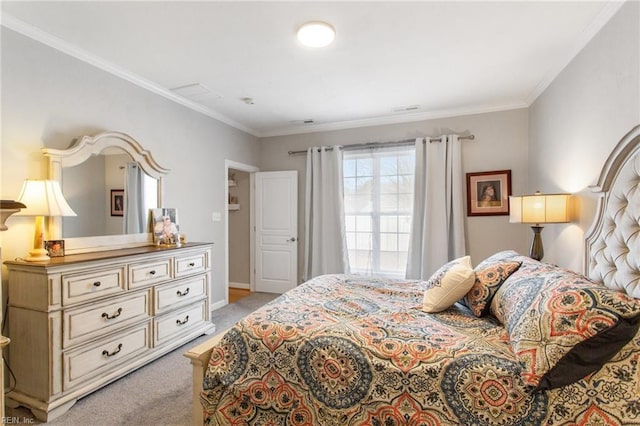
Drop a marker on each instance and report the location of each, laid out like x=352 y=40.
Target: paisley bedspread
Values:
x=349 y=350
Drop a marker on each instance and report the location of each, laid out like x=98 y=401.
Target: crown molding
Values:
x=34 y=33
x=397 y=119
x=588 y=33
x=585 y=37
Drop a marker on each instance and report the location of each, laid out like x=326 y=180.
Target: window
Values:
x=378 y=199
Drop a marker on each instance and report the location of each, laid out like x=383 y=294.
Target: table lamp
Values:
x=42 y=198
x=539 y=209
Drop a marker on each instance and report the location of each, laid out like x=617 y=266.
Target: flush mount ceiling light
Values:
x=316 y=34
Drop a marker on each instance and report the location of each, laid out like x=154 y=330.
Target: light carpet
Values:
x=156 y=394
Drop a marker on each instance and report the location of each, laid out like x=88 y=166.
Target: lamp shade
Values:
x=539 y=208
x=43 y=198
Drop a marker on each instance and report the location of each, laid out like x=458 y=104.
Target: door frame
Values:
x=230 y=164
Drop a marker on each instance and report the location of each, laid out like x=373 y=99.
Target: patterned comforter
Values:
x=348 y=350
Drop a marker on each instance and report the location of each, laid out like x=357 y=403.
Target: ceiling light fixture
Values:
x=316 y=34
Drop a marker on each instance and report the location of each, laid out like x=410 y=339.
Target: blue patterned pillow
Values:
x=490 y=274
x=562 y=327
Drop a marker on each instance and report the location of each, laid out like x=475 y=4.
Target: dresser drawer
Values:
x=168 y=296
x=94 y=284
x=190 y=264
x=82 y=324
x=148 y=273
x=101 y=357
x=178 y=322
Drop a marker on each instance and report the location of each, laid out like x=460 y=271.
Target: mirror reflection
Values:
x=111 y=195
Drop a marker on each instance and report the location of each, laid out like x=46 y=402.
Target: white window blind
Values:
x=378 y=199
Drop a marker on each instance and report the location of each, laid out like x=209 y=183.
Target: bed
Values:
x=528 y=343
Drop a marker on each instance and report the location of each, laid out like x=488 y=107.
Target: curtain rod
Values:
x=386 y=144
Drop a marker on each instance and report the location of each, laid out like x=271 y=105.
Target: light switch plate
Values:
x=216 y=216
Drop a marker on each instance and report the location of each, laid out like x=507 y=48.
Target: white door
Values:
x=276 y=220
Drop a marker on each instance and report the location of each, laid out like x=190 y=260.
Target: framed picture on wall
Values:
x=117 y=202
x=488 y=193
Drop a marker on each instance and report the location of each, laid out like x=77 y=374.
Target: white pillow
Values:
x=448 y=285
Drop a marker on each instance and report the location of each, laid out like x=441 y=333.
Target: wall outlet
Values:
x=216 y=216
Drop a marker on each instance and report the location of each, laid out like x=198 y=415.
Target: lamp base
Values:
x=536 y=252
x=38 y=255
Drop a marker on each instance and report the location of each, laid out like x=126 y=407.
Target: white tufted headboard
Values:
x=613 y=242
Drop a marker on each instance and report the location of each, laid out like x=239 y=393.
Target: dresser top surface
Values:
x=104 y=255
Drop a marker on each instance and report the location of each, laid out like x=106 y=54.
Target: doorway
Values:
x=239 y=236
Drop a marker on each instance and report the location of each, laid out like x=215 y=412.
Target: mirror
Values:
x=110 y=194
x=111 y=182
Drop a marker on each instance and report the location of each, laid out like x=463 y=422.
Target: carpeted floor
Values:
x=157 y=394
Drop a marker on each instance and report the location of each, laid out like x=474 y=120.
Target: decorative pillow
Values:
x=563 y=327
x=490 y=274
x=448 y=284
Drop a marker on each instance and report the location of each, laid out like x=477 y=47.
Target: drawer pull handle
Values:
x=116 y=315
x=152 y=272
x=179 y=293
x=192 y=264
x=107 y=353
x=184 y=321
x=97 y=284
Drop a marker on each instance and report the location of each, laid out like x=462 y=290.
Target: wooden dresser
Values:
x=78 y=322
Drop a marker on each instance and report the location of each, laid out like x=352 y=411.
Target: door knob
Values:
x=292 y=240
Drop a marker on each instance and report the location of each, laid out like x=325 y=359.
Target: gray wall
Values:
x=50 y=98
x=240 y=231
x=500 y=143
x=576 y=122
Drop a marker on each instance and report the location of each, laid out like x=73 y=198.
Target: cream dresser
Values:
x=78 y=322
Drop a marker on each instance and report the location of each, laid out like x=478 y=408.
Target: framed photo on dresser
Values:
x=165 y=226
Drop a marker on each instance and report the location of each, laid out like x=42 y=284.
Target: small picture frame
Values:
x=117 y=202
x=165 y=226
x=488 y=193
x=55 y=248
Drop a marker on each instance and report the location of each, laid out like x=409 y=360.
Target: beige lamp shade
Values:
x=43 y=198
x=540 y=208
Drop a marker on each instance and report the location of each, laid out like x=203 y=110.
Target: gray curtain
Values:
x=437 y=225
x=134 y=217
x=325 y=250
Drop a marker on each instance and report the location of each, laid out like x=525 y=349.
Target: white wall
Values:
x=500 y=143
x=49 y=98
x=576 y=122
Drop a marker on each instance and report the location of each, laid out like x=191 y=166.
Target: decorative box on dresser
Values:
x=78 y=322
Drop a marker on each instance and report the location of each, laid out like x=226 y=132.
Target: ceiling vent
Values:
x=405 y=108
x=195 y=91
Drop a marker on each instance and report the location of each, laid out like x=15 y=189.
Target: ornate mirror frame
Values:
x=82 y=150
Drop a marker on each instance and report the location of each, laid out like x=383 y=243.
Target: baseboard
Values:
x=244 y=286
x=217 y=305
